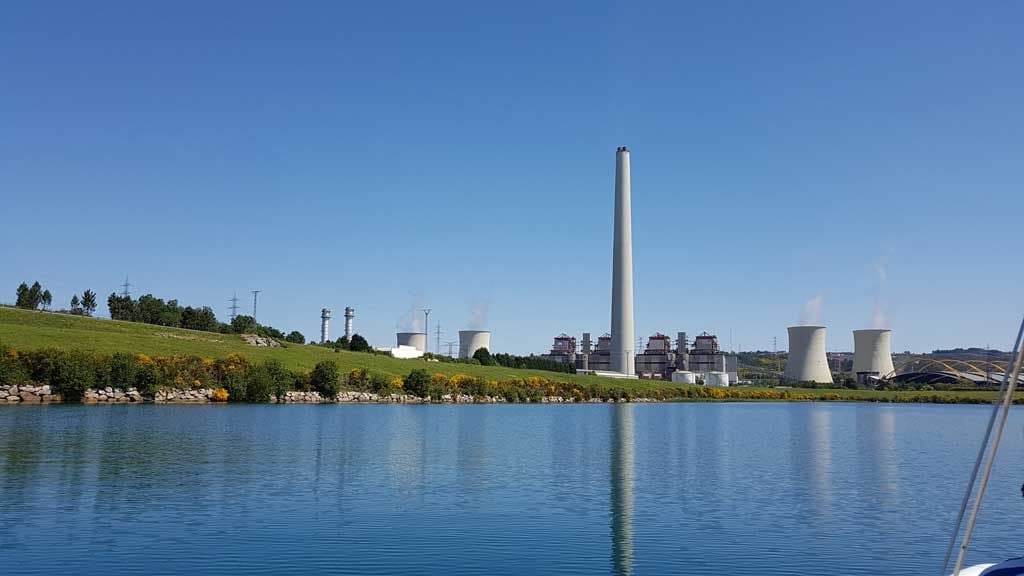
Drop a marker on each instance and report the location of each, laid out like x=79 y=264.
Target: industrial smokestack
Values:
x=350 y=313
x=807 y=361
x=472 y=340
x=417 y=340
x=872 y=354
x=623 y=341
x=325 y=320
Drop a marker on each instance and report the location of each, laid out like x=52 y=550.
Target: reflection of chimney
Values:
x=325 y=320
x=622 y=474
x=623 y=341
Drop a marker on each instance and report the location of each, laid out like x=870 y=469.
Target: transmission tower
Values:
x=438 y=337
x=255 y=293
x=124 y=288
x=234 y=306
x=450 y=344
x=426 y=327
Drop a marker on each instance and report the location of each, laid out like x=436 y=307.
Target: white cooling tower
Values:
x=417 y=340
x=807 y=361
x=872 y=353
x=472 y=340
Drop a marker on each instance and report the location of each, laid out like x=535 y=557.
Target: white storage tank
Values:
x=684 y=377
x=472 y=340
x=417 y=340
x=716 y=379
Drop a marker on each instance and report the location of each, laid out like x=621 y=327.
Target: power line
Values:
x=255 y=293
x=125 y=292
x=450 y=344
x=438 y=337
x=234 y=306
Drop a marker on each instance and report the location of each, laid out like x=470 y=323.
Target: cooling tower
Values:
x=472 y=340
x=872 y=353
x=623 y=341
x=807 y=362
x=417 y=340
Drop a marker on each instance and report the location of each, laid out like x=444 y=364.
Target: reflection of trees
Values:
x=622 y=475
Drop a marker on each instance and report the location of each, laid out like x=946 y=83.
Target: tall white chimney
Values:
x=325 y=320
x=623 y=342
x=350 y=313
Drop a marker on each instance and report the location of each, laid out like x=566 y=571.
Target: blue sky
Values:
x=394 y=155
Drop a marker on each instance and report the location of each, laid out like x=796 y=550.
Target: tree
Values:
x=325 y=379
x=199 y=319
x=122 y=308
x=47 y=299
x=342 y=343
x=295 y=337
x=35 y=295
x=243 y=324
x=75 y=309
x=88 y=302
x=22 y=301
x=359 y=344
x=29 y=298
x=483 y=355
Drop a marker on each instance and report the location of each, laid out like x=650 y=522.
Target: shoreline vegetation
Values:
x=47 y=358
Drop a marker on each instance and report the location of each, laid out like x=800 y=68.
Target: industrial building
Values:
x=705 y=362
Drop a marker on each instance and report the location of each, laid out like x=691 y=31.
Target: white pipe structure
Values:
x=872 y=352
x=350 y=313
x=807 y=361
x=623 y=340
x=325 y=320
x=472 y=340
x=417 y=340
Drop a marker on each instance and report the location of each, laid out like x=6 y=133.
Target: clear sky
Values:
x=395 y=155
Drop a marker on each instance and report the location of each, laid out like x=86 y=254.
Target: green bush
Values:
x=71 y=374
x=119 y=371
x=281 y=379
x=324 y=378
x=259 y=386
x=418 y=383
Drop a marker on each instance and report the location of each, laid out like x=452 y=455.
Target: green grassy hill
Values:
x=27 y=330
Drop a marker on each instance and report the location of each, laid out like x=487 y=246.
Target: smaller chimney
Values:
x=325 y=321
x=350 y=313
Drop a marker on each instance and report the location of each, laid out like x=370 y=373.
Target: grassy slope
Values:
x=26 y=330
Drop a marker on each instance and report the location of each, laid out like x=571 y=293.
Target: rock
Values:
x=45 y=389
x=108 y=390
x=29 y=398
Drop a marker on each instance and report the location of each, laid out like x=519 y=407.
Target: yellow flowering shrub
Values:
x=219 y=395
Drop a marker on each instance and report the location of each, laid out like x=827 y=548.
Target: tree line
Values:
x=34 y=297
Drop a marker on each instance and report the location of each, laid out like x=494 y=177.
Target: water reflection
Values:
x=622 y=475
x=810 y=429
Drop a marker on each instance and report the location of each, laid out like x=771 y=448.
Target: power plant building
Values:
x=660 y=359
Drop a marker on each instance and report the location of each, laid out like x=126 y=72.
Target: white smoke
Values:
x=810 y=315
x=412 y=321
x=478 y=317
x=878 y=316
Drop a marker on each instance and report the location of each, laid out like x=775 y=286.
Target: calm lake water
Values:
x=522 y=489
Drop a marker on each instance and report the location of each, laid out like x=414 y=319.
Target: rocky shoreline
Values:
x=29 y=394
